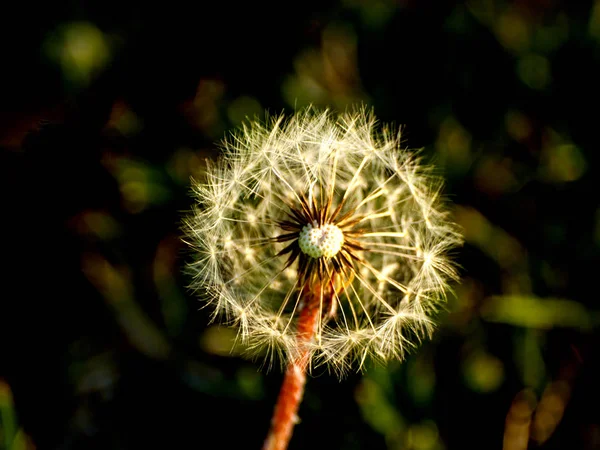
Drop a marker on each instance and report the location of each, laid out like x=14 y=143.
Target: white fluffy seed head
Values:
x=325 y=241
x=390 y=240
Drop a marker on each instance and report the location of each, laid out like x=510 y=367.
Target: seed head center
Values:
x=321 y=241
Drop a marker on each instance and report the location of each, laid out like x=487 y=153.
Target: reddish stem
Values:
x=292 y=388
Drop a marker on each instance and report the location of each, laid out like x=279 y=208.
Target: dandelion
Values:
x=324 y=242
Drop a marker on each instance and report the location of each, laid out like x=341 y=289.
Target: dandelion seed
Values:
x=323 y=240
x=323 y=202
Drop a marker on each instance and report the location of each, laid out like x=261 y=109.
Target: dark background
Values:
x=108 y=108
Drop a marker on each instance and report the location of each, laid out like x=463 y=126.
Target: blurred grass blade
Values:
x=535 y=312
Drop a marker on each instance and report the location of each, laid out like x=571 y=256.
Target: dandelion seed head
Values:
x=325 y=203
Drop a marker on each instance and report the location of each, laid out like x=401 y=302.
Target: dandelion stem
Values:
x=292 y=389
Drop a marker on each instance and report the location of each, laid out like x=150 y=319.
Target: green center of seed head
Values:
x=320 y=241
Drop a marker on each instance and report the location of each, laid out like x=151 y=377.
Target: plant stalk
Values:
x=292 y=389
